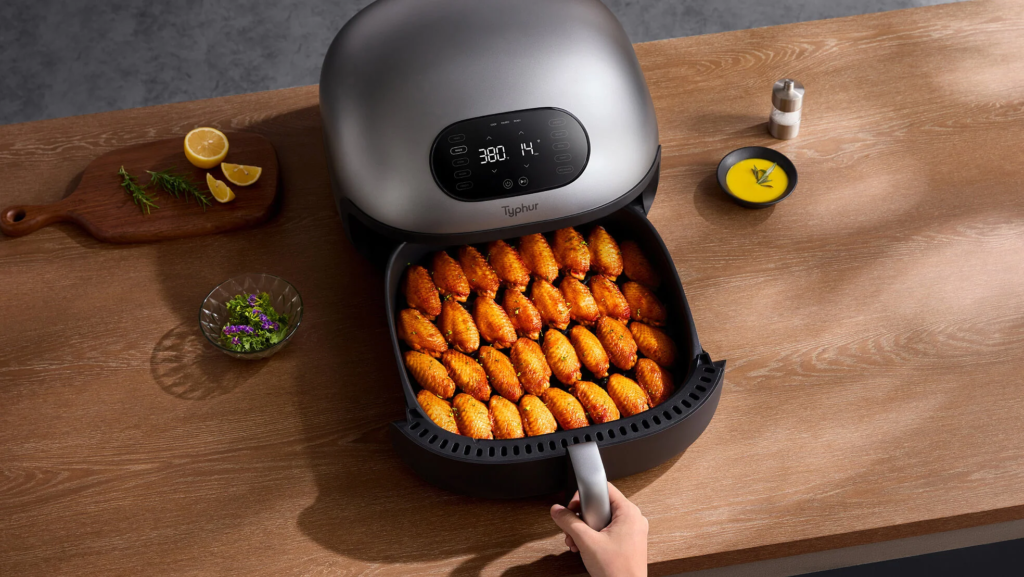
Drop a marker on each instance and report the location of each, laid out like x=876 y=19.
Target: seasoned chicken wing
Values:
x=550 y=303
x=482 y=277
x=537 y=255
x=468 y=375
x=567 y=410
x=561 y=357
x=589 y=350
x=654 y=344
x=571 y=252
x=505 y=420
x=609 y=299
x=508 y=265
x=643 y=304
x=472 y=416
x=458 y=328
x=596 y=402
x=654 y=379
x=429 y=373
x=537 y=419
x=448 y=276
x=420 y=292
x=501 y=373
x=524 y=316
x=582 y=306
x=605 y=256
x=437 y=410
x=495 y=326
x=628 y=396
x=637 y=267
x=617 y=342
x=419 y=333
x=531 y=366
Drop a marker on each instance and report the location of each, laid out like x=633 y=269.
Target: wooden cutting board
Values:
x=107 y=212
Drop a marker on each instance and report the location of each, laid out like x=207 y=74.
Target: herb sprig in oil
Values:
x=140 y=197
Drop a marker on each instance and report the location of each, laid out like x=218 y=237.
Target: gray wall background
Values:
x=69 y=57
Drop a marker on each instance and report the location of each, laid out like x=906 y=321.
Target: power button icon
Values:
x=507 y=184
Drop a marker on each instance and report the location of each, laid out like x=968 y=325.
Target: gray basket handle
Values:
x=595 y=506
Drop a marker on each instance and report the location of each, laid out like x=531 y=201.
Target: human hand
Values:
x=620 y=549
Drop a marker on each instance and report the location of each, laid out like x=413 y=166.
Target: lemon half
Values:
x=206 y=147
x=239 y=174
x=220 y=190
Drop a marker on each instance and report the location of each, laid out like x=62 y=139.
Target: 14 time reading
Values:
x=497 y=153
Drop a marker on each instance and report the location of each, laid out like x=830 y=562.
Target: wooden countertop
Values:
x=873 y=324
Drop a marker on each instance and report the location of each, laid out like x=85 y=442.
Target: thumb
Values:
x=571 y=524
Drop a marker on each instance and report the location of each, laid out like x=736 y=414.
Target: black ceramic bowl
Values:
x=756 y=152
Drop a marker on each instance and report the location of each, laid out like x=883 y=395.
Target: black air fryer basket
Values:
x=540 y=465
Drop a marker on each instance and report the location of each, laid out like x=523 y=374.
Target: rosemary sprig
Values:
x=177 y=185
x=142 y=199
x=762 y=175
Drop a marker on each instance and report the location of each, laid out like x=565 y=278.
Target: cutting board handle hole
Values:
x=15 y=215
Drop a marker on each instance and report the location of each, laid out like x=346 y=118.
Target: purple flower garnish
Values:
x=253 y=299
x=234 y=340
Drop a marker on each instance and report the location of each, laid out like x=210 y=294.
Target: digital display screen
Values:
x=509 y=154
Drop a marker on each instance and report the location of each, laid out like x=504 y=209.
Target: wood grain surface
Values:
x=873 y=323
x=100 y=206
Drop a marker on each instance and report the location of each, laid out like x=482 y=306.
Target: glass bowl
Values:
x=214 y=313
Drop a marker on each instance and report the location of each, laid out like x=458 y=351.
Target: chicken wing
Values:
x=654 y=379
x=458 y=328
x=537 y=256
x=505 y=420
x=582 y=306
x=419 y=333
x=437 y=410
x=468 y=375
x=482 y=277
x=589 y=350
x=550 y=303
x=637 y=267
x=448 y=276
x=654 y=344
x=501 y=373
x=531 y=366
x=596 y=402
x=430 y=374
x=508 y=265
x=605 y=256
x=643 y=304
x=627 y=395
x=561 y=357
x=567 y=410
x=617 y=342
x=571 y=252
x=609 y=299
x=472 y=417
x=420 y=292
x=537 y=419
x=495 y=326
x=524 y=316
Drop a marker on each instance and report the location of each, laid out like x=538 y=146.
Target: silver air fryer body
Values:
x=451 y=121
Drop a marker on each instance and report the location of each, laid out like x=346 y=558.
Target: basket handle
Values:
x=595 y=506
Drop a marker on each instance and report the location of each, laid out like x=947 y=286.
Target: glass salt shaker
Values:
x=787 y=100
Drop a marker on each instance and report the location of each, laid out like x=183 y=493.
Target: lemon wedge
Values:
x=239 y=174
x=206 y=147
x=220 y=190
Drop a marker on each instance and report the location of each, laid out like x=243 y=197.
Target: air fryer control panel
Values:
x=509 y=154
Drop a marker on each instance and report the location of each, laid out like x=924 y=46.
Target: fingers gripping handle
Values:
x=595 y=506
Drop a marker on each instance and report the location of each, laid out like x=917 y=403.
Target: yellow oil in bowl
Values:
x=757 y=180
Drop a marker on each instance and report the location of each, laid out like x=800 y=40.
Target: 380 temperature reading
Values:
x=492 y=154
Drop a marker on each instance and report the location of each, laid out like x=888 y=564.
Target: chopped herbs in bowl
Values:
x=253 y=324
x=251 y=316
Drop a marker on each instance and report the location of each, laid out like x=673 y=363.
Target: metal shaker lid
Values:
x=788 y=95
